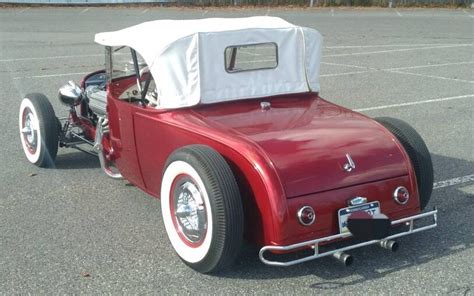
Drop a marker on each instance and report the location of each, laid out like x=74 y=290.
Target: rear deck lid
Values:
x=310 y=141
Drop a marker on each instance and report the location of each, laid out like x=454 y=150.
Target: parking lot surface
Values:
x=73 y=230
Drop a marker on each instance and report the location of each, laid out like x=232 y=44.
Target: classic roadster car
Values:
x=221 y=119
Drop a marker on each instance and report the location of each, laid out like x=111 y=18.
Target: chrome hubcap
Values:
x=29 y=130
x=190 y=212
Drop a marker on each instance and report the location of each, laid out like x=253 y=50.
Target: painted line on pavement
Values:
x=52 y=75
x=414 y=103
x=465 y=11
x=52 y=58
x=415 y=47
x=397 y=70
x=394 y=50
x=85 y=10
x=429 y=76
x=392 y=45
x=346 y=73
x=453 y=181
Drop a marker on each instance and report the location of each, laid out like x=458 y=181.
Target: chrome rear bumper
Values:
x=314 y=244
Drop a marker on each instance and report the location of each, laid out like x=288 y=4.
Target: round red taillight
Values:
x=306 y=215
x=401 y=195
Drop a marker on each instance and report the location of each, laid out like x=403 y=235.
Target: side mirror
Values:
x=70 y=94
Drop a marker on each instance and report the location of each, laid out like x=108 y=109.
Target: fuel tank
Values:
x=314 y=145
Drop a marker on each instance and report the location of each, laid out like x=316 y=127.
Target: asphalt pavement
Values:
x=72 y=230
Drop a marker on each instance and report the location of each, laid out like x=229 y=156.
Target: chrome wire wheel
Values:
x=29 y=130
x=30 y=133
x=189 y=210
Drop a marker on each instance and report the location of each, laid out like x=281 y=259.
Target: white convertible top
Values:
x=186 y=58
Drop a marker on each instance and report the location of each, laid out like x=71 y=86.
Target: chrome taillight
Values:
x=401 y=195
x=306 y=215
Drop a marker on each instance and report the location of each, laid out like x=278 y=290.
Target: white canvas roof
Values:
x=186 y=58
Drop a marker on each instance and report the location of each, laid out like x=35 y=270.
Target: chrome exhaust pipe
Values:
x=104 y=163
x=389 y=245
x=344 y=258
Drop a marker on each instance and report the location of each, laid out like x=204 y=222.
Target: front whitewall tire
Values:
x=27 y=106
x=39 y=130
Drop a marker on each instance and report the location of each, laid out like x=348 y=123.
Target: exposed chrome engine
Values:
x=94 y=113
x=96 y=98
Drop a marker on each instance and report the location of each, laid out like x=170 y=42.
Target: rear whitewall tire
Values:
x=418 y=153
x=202 y=208
x=187 y=253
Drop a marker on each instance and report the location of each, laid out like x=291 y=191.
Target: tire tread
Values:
x=419 y=155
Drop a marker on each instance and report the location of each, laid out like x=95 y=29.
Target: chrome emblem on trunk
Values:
x=350 y=165
x=358 y=200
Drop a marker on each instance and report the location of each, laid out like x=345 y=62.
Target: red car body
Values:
x=285 y=157
x=238 y=147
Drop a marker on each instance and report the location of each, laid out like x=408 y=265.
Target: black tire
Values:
x=39 y=131
x=417 y=151
x=212 y=247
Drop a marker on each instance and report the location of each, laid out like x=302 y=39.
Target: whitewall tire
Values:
x=201 y=208
x=39 y=130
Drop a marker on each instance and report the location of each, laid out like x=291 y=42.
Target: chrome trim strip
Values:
x=350 y=165
x=315 y=243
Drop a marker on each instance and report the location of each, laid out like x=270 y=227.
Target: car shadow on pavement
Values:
x=76 y=160
x=453 y=235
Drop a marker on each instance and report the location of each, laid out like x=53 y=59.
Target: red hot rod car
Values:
x=221 y=119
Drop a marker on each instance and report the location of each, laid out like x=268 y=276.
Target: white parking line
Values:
x=51 y=75
x=398 y=13
x=397 y=70
x=465 y=11
x=432 y=65
x=416 y=47
x=414 y=103
x=205 y=12
x=85 y=10
x=25 y=9
x=346 y=73
x=394 y=50
x=52 y=58
x=429 y=76
x=145 y=11
x=346 y=65
x=453 y=182
x=268 y=12
x=390 y=45
x=332 y=11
